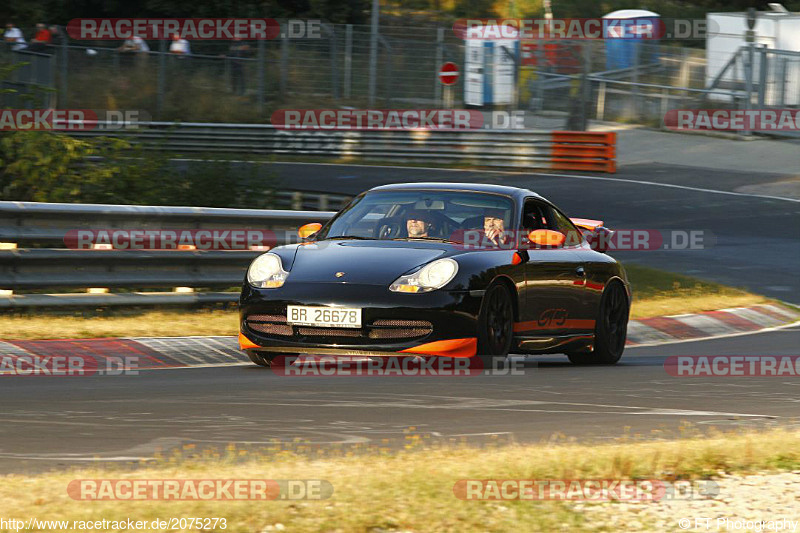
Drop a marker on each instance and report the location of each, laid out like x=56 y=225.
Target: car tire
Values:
x=495 y=325
x=611 y=329
x=260 y=359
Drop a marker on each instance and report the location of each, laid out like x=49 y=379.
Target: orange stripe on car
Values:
x=245 y=343
x=570 y=323
x=448 y=348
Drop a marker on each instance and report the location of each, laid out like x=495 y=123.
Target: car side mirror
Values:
x=307 y=230
x=547 y=238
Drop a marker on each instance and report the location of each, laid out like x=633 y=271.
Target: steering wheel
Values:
x=388 y=230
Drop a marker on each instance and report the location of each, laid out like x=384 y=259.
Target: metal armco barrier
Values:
x=46 y=264
x=520 y=149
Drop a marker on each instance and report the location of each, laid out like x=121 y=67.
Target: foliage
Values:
x=54 y=167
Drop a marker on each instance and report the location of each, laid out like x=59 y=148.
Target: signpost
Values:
x=448 y=75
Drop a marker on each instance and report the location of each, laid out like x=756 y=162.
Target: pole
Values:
x=162 y=73
x=261 y=77
x=585 y=88
x=749 y=78
x=284 y=60
x=437 y=90
x=348 y=60
x=334 y=72
x=373 y=52
x=64 y=50
x=763 y=66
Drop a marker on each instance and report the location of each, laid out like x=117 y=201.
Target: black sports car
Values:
x=439 y=269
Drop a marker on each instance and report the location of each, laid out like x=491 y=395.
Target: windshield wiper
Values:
x=350 y=237
x=434 y=239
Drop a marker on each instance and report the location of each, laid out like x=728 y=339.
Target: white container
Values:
x=776 y=31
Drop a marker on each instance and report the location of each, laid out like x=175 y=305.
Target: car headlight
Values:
x=266 y=272
x=432 y=276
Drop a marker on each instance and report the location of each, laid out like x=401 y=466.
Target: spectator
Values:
x=13 y=37
x=135 y=44
x=55 y=36
x=237 y=51
x=179 y=46
x=134 y=49
x=41 y=39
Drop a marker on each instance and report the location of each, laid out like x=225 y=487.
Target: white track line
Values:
x=545 y=174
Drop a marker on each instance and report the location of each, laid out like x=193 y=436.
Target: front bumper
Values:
x=434 y=323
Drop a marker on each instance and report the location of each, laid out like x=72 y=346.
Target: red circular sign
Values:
x=448 y=74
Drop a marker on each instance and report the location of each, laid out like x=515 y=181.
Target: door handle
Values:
x=580 y=272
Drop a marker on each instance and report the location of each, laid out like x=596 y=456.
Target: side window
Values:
x=532 y=217
x=557 y=221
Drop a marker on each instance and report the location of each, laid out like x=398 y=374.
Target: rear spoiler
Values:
x=597 y=235
x=587 y=223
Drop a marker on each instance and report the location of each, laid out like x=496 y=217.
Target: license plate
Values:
x=326 y=317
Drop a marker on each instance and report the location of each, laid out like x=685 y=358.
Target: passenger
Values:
x=494 y=227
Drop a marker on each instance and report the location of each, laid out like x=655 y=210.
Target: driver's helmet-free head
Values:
x=419 y=214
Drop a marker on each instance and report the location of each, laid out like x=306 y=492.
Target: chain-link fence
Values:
x=579 y=80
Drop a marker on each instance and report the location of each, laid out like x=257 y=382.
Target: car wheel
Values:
x=610 y=331
x=495 y=325
x=260 y=359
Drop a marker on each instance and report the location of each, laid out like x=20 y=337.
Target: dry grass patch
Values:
x=409 y=490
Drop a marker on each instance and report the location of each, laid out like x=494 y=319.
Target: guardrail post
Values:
x=297 y=201
x=322 y=204
x=334 y=70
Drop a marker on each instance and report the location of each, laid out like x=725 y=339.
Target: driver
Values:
x=418 y=223
x=493 y=226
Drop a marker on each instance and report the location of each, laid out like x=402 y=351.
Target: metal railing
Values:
x=46 y=264
x=485 y=148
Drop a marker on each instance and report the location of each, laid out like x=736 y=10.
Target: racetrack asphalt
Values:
x=56 y=422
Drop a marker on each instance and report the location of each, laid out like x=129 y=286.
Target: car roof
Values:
x=514 y=192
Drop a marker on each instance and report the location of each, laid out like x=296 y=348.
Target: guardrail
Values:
x=47 y=264
x=550 y=150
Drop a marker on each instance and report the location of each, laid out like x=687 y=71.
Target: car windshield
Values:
x=419 y=214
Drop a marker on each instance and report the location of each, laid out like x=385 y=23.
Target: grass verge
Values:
x=655 y=293
x=659 y=293
x=410 y=490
